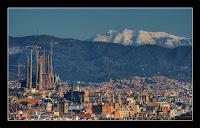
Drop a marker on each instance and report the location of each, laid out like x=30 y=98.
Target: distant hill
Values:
x=98 y=61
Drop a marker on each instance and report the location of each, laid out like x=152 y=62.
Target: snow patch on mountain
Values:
x=15 y=50
x=144 y=38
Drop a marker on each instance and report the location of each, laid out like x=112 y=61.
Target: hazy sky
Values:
x=79 y=23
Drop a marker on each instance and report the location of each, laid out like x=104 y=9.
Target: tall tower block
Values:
x=40 y=75
x=48 y=70
x=27 y=73
x=72 y=90
x=44 y=62
x=36 y=67
x=51 y=58
x=31 y=71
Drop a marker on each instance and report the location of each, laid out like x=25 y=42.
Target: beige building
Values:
x=125 y=112
x=131 y=100
x=49 y=107
x=136 y=108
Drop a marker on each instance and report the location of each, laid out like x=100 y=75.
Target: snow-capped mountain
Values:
x=140 y=37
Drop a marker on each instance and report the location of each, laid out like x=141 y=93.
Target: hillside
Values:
x=95 y=62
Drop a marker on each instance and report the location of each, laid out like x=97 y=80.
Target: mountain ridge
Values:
x=96 y=62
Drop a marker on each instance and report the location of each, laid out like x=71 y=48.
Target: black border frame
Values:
x=195 y=4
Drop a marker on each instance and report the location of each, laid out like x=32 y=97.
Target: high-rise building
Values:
x=107 y=109
x=102 y=109
x=60 y=91
x=97 y=109
x=74 y=95
x=62 y=107
x=72 y=90
x=86 y=97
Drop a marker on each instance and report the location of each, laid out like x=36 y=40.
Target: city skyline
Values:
x=44 y=96
x=65 y=23
x=149 y=77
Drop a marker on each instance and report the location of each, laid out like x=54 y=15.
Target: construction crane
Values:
x=18 y=69
x=51 y=45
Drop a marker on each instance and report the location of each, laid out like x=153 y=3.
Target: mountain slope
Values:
x=95 y=62
x=140 y=37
